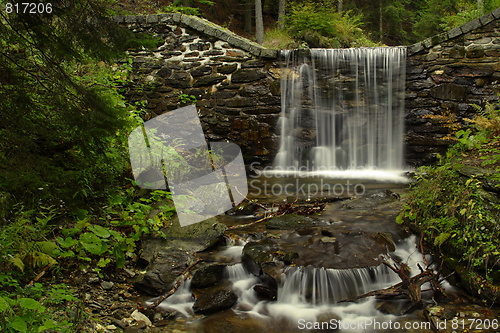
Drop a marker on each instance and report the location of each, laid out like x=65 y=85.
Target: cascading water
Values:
x=342 y=109
x=322 y=286
x=308 y=294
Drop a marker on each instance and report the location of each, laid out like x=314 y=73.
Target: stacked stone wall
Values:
x=446 y=74
x=234 y=81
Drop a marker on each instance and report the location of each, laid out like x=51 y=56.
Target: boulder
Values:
x=255 y=254
x=207 y=276
x=165 y=258
x=214 y=299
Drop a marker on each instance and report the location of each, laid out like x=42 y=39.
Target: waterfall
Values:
x=342 y=109
x=322 y=286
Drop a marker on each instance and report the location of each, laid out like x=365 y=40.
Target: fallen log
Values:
x=175 y=286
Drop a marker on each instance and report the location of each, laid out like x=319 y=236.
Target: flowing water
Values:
x=342 y=109
x=341 y=122
x=307 y=295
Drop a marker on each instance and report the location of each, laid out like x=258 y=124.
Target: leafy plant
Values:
x=36 y=309
x=186 y=99
x=320 y=26
x=450 y=208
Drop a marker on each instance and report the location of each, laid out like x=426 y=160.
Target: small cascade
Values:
x=243 y=283
x=342 y=109
x=320 y=286
x=308 y=293
x=181 y=301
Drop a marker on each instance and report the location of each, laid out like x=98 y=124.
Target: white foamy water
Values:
x=343 y=108
x=181 y=301
x=308 y=294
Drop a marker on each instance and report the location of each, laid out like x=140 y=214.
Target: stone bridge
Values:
x=236 y=82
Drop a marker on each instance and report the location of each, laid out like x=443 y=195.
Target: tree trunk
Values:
x=381 y=21
x=340 y=6
x=281 y=14
x=259 y=22
x=248 y=15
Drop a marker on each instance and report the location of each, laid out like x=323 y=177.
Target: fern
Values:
x=443 y=237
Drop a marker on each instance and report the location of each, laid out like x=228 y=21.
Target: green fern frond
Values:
x=443 y=237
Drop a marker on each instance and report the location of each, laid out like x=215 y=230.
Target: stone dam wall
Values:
x=236 y=83
x=446 y=74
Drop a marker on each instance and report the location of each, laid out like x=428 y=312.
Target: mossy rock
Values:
x=290 y=221
x=202 y=235
x=477 y=285
x=207 y=276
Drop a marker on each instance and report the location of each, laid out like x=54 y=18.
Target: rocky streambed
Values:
x=282 y=274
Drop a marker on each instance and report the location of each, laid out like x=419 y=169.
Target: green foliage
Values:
x=36 y=309
x=278 y=39
x=320 y=26
x=24 y=242
x=187 y=7
x=182 y=10
x=64 y=120
x=185 y=99
x=436 y=16
x=454 y=212
x=468 y=11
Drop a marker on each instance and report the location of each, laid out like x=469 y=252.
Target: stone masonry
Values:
x=236 y=83
x=446 y=74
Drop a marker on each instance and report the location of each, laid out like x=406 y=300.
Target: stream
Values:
x=334 y=258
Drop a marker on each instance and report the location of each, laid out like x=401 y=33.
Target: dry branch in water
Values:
x=410 y=286
x=176 y=285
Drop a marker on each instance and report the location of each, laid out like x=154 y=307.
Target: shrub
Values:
x=320 y=26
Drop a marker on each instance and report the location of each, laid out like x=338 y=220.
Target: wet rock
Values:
x=273 y=270
x=266 y=292
x=491 y=184
x=209 y=80
x=476 y=284
x=290 y=221
x=166 y=258
x=107 y=285
x=449 y=91
x=214 y=299
x=393 y=307
x=386 y=237
x=118 y=323
x=244 y=208
x=255 y=254
x=141 y=317
x=227 y=69
x=202 y=70
x=207 y=276
x=472 y=171
x=326 y=239
x=247 y=75
x=376 y=199
x=162 y=271
x=230 y=322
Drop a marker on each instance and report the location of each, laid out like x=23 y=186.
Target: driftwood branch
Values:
x=176 y=285
x=39 y=275
x=254 y=222
x=410 y=286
